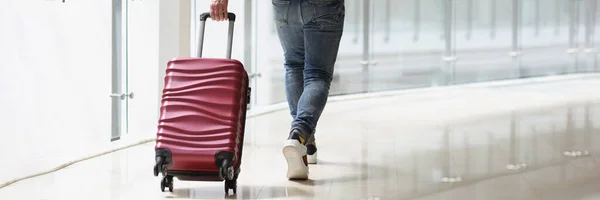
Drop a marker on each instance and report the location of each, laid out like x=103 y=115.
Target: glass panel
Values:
x=482 y=40
x=596 y=34
x=590 y=55
x=545 y=38
x=349 y=75
x=268 y=56
x=407 y=44
x=116 y=70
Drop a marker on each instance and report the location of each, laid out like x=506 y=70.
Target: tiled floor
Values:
x=534 y=141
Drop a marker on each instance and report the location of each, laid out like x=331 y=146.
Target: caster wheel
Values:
x=231 y=184
x=234 y=186
x=226 y=187
x=167 y=181
x=170 y=183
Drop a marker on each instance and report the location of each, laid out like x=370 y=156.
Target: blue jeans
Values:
x=310 y=32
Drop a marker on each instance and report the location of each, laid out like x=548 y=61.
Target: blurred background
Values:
x=91 y=71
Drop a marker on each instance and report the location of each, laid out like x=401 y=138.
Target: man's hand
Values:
x=218 y=10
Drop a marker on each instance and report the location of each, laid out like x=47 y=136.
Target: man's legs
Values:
x=323 y=26
x=292 y=39
x=321 y=52
x=291 y=36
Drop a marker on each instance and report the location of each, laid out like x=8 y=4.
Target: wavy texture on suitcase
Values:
x=198 y=112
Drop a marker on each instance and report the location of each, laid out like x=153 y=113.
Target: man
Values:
x=309 y=32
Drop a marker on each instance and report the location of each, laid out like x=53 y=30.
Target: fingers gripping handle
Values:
x=202 y=27
x=206 y=15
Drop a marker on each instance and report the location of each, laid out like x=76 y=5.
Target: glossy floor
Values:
x=524 y=141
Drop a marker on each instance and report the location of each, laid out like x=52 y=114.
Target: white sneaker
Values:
x=295 y=155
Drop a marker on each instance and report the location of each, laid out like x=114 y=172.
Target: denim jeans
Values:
x=310 y=32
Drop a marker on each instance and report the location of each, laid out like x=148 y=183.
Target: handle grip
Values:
x=202 y=27
x=206 y=15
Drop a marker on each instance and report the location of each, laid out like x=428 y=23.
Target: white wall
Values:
x=55 y=80
x=143 y=53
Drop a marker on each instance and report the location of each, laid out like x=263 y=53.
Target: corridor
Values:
x=518 y=139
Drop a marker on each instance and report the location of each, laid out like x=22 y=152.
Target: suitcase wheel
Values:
x=231 y=184
x=229 y=175
x=167 y=181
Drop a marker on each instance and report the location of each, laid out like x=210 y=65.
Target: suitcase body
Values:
x=202 y=119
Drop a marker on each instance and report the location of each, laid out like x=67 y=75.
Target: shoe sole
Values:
x=293 y=155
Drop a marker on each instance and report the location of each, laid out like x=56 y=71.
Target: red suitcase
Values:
x=202 y=118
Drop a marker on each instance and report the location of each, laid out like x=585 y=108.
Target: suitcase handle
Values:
x=203 y=17
x=206 y=15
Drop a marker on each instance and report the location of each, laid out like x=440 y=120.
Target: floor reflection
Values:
x=548 y=147
x=529 y=153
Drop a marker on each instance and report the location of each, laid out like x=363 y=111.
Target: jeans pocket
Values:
x=328 y=14
x=280 y=11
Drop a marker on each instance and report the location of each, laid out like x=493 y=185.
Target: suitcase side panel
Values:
x=203 y=112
